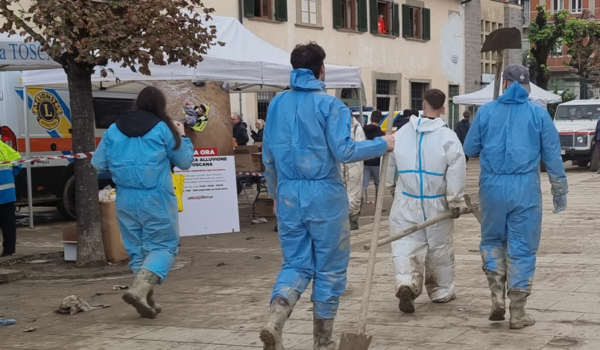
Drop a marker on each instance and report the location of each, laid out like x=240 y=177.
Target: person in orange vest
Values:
x=381 y=25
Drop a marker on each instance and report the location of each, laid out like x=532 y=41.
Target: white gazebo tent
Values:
x=247 y=63
x=17 y=55
x=485 y=95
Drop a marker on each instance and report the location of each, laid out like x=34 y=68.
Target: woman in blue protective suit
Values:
x=138 y=151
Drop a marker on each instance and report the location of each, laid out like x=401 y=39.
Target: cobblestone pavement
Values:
x=212 y=307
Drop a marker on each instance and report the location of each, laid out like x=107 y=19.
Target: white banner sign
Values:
x=210 y=202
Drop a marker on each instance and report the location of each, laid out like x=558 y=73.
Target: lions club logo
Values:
x=47 y=110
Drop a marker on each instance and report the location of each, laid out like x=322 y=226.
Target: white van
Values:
x=576 y=123
x=49 y=123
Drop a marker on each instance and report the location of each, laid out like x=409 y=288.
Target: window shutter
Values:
x=337 y=14
x=362 y=16
x=281 y=14
x=426 y=24
x=249 y=8
x=374 y=16
x=396 y=19
x=405 y=20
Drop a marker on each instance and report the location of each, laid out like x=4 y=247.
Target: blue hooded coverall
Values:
x=307 y=136
x=511 y=135
x=138 y=152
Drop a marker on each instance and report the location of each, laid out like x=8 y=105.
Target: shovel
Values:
x=498 y=41
x=473 y=208
x=359 y=340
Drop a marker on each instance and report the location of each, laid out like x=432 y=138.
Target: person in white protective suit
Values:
x=431 y=167
x=352 y=174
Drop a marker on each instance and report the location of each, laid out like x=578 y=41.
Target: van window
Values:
x=106 y=110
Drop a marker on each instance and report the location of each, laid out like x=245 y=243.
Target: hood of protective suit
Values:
x=137 y=123
x=304 y=80
x=514 y=94
x=425 y=124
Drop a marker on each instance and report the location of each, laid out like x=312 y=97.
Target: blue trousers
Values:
x=149 y=229
x=314 y=232
x=511 y=226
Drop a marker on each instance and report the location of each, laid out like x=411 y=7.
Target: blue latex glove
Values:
x=560 y=203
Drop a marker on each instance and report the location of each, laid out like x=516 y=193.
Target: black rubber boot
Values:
x=406 y=296
x=354 y=222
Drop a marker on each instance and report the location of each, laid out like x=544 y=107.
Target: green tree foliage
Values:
x=543 y=34
x=582 y=37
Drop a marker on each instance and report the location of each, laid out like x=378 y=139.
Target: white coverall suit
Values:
x=352 y=174
x=431 y=165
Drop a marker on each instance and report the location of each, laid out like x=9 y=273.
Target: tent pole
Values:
x=28 y=156
x=360 y=107
x=242 y=114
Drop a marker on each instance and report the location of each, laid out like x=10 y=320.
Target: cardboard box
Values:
x=264 y=207
x=111 y=234
x=248 y=159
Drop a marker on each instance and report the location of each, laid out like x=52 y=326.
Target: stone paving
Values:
x=212 y=307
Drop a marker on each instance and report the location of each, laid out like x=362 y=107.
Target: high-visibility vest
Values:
x=7 y=153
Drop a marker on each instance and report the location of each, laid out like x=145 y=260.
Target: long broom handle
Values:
x=364 y=308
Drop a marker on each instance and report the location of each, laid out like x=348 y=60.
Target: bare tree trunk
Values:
x=90 y=248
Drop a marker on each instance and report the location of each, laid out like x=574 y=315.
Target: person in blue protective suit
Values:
x=511 y=135
x=8 y=197
x=138 y=151
x=304 y=142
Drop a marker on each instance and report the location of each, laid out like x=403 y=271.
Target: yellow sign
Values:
x=47 y=110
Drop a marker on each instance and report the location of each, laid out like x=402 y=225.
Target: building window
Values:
x=350 y=96
x=417 y=90
x=558 y=50
x=350 y=15
x=266 y=9
x=263 y=101
x=416 y=22
x=385 y=17
x=454 y=109
x=309 y=12
x=557 y=5
x=384 y=90
x=576 y=6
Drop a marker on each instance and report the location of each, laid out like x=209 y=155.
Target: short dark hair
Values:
x=309 y=56
x=467 y=114
x=376 y=116
x=414 y=112
x=435 y=98
x=406 y=113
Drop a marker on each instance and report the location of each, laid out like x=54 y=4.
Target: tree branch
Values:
x=25 y=26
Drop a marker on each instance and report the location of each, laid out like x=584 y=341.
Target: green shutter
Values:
x=405 y=20
x=281 y=14
x=337 y=14
x=362 y=16
x=426 y=24
x=374 y=16
x=396 y=19
x=249 y=8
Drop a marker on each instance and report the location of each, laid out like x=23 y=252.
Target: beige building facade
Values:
x=421 y=47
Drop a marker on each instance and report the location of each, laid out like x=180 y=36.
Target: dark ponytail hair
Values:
x=153 y=100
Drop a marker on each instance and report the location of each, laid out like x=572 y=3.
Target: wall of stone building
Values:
x=472 y=15
x=513 y=17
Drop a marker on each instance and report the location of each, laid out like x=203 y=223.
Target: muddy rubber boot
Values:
x=497 y=284
x=152 y=303
x=407 y=304
x=365 y=196
x=272 y=334
x=446 y=299
x=354 y=223
x=518 y=318
x=137 y=295
x=322 y=334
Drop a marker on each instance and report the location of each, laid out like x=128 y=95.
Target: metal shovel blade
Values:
x=502 y=39
x=352 y=341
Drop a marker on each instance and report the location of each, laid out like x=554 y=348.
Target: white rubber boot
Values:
x=152 y=303
x=323 y=334
x=272 y=334
x=497 y=285
x=518 y=318
x=406 y=296
x=137 y=295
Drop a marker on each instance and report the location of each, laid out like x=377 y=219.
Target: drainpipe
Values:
x=241 y=12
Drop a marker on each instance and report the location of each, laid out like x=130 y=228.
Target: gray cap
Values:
x=518 y=73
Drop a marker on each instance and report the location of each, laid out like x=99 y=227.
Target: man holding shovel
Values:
x=511 y=135
x=432 y=172
x=305 y=140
